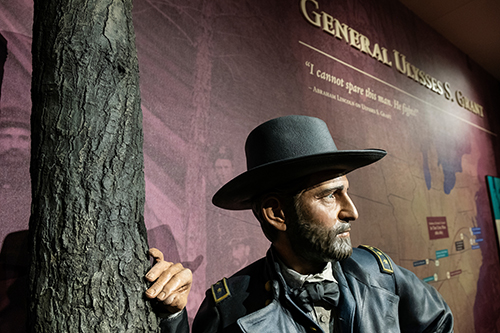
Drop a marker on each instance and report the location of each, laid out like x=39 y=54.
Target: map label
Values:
x=429 y=279
x=475 y=231
x=438 y=227
x=419 y=263
x=441 y=254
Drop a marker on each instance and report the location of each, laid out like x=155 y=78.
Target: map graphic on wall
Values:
x=211 y=71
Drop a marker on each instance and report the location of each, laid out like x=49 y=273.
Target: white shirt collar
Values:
x=296 y=280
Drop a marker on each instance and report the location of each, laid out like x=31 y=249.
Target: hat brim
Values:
x=238 y=193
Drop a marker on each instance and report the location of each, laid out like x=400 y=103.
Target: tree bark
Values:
x=87 y=226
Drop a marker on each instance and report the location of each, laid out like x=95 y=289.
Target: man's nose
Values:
x=349 y=211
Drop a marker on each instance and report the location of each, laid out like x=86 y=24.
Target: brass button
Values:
x=268 y=285
x=268 y=302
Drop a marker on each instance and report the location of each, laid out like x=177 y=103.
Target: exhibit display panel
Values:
x=211 y=71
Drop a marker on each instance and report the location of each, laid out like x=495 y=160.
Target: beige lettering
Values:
x=354 y=37
x=317 y=19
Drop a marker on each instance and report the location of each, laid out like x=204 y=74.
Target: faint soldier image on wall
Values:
x=223 y=170
x=14 y=141
x=15 y=199
x=241 y=252
x=14 y=170
x=221 y=227
x=227 y=249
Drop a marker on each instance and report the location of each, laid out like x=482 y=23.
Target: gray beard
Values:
x=314 y=242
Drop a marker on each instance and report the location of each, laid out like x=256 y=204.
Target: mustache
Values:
x=345 y=226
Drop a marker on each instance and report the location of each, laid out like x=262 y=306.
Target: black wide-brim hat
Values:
x=285 y=149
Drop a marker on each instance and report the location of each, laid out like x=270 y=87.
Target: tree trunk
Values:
x=87 y=225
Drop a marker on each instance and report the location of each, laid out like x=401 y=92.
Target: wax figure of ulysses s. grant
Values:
x=311 y=279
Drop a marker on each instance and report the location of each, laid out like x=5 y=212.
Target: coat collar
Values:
x=357 y=287
x=347 y=303
x=279 y=310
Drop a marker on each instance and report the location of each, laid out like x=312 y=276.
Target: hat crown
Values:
x=283 y=150
x=285 y=138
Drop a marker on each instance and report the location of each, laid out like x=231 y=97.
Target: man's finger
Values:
x=157 y=270
x=180 y=284
x=156 y=254
x=177 y=283
x=161 y=274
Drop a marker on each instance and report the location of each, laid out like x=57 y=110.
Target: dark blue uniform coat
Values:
x=376 y=296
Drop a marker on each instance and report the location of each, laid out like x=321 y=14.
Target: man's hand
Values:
x=172 y=283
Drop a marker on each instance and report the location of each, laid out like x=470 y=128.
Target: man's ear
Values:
x=273 y=212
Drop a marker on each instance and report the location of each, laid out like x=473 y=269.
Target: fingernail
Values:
x=169 y=300
x=162 y=295
x=151 y=291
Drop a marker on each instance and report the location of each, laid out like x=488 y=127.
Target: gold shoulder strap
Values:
x=383 y=260
x=220 y=290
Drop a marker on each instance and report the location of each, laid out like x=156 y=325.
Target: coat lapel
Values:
x=363 y=297
x=347 y=304
x=270 y=318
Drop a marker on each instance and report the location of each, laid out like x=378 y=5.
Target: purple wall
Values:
x=211 y=71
